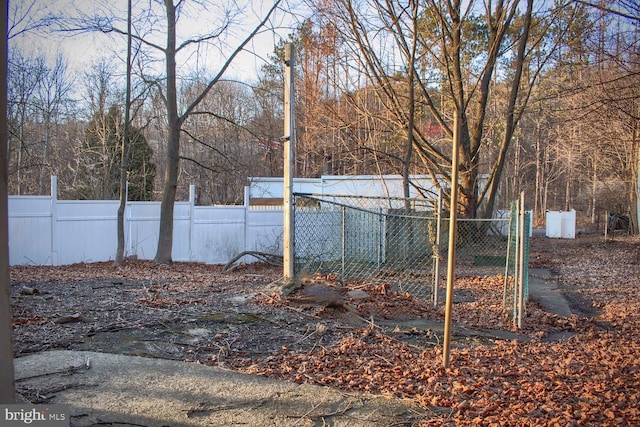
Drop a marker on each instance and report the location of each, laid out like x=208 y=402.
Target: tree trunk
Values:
x=165 y=235
x=633 y=178
x=594 y=189
x=516 y=171
x=512 y=118
x=567 y=187
x=126 y=145
x=21 y=138
x=545 y=198
x=45 y=154
x=175 y=121
x=538 y=203
x=468 y=199
x=406 y=167
x=7 y=390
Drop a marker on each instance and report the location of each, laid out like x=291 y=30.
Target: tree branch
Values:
x=603 y=7
x=202 y=38
x=226 y=65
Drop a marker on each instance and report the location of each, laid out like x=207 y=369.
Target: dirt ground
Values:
x=196 y=312
x=355 y=336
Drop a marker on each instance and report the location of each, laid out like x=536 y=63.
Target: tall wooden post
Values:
x=288 y=140
x=520 y=258
x=7 y=390
x=451 y=264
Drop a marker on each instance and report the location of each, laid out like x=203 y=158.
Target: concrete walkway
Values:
x=112 y=389
x=544 y=290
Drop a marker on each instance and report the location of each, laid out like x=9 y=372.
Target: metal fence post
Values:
x=436 y=255
x=380 y=237
x=507 y=262
x=343 y=243
x=516 y=265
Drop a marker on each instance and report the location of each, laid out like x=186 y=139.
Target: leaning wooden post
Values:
x=451 y=264
x=288 y=140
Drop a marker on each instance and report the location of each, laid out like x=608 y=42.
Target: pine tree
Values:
x=101 y=155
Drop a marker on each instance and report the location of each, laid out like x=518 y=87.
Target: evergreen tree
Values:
x=101 y=155
x=141 y=171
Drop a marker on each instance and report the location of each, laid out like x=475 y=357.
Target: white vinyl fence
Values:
x=46 y=231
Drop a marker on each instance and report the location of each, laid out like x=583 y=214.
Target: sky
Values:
x=82 y=50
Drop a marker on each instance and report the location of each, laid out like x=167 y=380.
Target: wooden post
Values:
x=7 y=390
x=288 y=140
x=516 y=272
x=523 y=230
x=451 y=264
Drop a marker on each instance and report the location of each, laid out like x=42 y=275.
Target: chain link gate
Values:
x=376 y=239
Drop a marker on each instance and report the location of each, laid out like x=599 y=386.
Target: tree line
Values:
x=546 y=96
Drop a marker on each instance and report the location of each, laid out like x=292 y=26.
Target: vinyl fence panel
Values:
x=30 y=238
x=84 y=231
x=218 y=233
x=47 y=231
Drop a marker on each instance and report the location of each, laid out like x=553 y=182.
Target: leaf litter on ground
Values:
x=590 y=378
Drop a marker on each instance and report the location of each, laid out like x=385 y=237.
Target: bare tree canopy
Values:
x=423 y=61
x=163 y=20
x=546 y=93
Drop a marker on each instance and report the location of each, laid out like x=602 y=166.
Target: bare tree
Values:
x=586 y=110
x=167 y=85
x=27 y=17
x=52 y=97
x=611 y=132
x=451 y=52
x=39 y=98
x=125 y=147
x=221 y=146
x=26 y=76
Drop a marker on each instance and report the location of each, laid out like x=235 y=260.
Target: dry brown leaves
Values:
x=189 y=273
x=592 y=378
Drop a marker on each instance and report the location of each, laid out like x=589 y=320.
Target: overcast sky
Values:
x=83 y=50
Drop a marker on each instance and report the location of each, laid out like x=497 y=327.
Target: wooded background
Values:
x=548 y=94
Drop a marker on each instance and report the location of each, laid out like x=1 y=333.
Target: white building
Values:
x=357 y=185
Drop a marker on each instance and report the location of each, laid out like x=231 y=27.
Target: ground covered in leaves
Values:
x=365 y=337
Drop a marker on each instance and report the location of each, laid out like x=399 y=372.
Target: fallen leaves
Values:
x=590 y=378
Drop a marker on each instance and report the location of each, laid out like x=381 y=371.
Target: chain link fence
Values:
x=387 y=240
x=400 y=242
